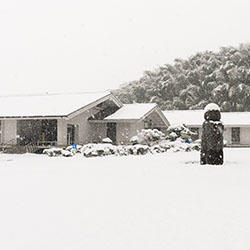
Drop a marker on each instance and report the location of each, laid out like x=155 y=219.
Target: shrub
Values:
x=101 y=149
x=147 y=136
x=179 y=131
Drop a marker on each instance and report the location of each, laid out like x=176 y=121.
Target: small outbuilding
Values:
x=129 y=120
x=236 y=124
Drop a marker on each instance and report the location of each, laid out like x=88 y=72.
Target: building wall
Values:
x=9 y=130
x=61 y=132
x=227 y=135
x=123 y=132
x=99 y=132
x=245 y=135
x=157 y=122
x=126 y=130
x=85 y=133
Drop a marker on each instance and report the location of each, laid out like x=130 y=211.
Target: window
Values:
x=70 y=134
x=111 y=131
x=235 y=135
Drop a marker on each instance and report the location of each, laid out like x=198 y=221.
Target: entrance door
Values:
x=70 y=134
x=111 y=131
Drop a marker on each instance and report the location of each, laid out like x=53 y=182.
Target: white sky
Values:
x=79 y=45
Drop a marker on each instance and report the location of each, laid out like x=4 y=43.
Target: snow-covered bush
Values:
x=138 y=149
x=52 y=151
x=101 y=149
x=147 y=141
x=157 y=148
x=198 y=141
x=122 y=150
x=57 y=152
x=107 y=140
x=76 y=149
x=147 y=136
x=195 y=146
x=182 y=145
x=134 y=140
x=67 y=153
x=179 y=145
x=172 y=136
x=179 y=131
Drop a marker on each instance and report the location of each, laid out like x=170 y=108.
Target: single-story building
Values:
x=236 y=124
x=80 y=118
x=65 y=119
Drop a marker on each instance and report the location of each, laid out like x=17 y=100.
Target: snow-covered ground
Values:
x=151 y=202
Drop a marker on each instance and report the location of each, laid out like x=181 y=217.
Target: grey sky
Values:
x=77 y=45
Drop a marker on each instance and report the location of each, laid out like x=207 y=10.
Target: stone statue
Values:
x=212 y=136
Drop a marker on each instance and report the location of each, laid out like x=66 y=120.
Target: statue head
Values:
x=212 y=112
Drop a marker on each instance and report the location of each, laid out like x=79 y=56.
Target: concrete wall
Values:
x=9 y=130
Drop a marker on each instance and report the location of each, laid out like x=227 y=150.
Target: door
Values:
x=111 y=131
x=70 y=134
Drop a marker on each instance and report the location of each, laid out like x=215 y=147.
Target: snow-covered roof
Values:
x=133 y=111
x=196 y=117
x=46 y=104
x=236 y=118
x=187 y=117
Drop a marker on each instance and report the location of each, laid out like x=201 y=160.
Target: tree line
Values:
x=222 y=77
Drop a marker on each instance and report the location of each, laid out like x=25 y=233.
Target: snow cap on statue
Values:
x=212 y=112
x=212 y=106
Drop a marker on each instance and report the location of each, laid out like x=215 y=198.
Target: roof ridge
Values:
x=53 y=93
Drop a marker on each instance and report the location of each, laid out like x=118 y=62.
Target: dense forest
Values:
x=222 y=77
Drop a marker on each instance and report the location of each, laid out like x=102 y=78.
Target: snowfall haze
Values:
x=58 y=46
